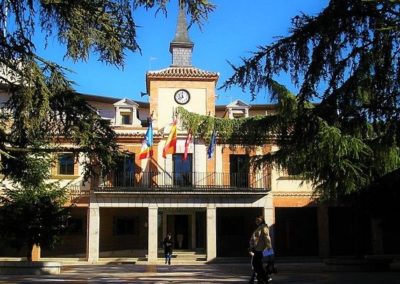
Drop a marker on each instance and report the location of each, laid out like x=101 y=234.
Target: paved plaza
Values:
x=209 y=273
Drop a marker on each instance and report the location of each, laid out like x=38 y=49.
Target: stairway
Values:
x=185 y=257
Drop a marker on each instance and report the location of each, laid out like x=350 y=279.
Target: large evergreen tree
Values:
x=342 y=128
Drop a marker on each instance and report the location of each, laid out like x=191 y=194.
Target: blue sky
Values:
x=232 y=31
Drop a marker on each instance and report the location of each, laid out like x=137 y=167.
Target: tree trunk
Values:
x=29 y=252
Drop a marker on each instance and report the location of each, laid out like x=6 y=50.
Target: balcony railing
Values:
x=184 y=180
x=76 y=191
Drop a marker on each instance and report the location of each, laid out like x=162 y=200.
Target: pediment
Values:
x=126 y=103
x=238 y=104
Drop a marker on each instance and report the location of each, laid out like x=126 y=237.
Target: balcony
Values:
x=76 y=192
x=185 y=182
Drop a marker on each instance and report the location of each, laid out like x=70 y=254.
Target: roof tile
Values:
x=182 y=73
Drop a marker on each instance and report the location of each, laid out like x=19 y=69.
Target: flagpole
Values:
x=194 y=158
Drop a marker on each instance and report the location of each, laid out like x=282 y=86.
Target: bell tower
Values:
x=180 y=84
x=181 y=46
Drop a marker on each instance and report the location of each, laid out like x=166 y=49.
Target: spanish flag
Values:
x=170 y=145
x=147 y=145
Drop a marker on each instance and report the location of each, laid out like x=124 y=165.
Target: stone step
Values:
x=195 y=258
x=185 y=256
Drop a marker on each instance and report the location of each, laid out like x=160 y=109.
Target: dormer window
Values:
x=126 y=118
x=238 y=113
x=126 y=113
x=237 y=109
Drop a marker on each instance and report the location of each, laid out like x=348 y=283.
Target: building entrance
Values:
x=178 y=225
x=187 y=226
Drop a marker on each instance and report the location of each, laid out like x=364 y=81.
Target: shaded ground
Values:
x=214 y=273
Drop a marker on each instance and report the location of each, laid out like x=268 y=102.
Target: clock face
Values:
x=182 y=96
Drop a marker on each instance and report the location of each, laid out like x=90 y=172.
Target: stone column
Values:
x=323 y=231
x=211 y=232
x=152 y=253
x=117 y=116
x=165 y=225
x=93 y=233
x=193 y=230
x=269 y=214
x=377 y=236
x=35 y=253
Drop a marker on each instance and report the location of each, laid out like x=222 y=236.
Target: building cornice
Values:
x=181 y=74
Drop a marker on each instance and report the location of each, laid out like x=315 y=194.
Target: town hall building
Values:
x=207 y=204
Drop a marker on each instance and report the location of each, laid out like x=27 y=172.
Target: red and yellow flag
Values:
x=170 y=145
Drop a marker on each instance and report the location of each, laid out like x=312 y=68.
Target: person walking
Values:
x=259 y=241
x=168 y=243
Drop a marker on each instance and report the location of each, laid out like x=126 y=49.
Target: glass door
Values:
x=182 y=170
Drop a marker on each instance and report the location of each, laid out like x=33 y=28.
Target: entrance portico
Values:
x=191 y=219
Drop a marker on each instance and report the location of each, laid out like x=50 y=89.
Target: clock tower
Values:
x=180 y=84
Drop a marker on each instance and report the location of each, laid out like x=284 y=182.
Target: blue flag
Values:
x=149 y=134
x=211 y=147
x=147 y=145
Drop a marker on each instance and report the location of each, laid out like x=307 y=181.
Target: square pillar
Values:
x=211 y=233
x=165 y=225
x=323 y=231
x=377 y=236
x=35 y=253
x=269 y=214
x=93 y=233
x=152 y=252
x=193 y=229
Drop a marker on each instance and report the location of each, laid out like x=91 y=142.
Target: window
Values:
x=66 y=164
x=126 y=118
x=124 y=172
x=126 y=113
x=182 y=170
x=238 y=113
x=292 y=173
x=239 y=170
x=123 y=225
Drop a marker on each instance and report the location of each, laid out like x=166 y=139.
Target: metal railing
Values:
x=185 y=180
x=76 y=191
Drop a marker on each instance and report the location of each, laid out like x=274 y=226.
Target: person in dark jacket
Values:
x=167 y=243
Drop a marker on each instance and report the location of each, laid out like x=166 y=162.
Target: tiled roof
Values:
x=182 y=73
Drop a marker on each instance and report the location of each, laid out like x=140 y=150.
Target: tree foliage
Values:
x=341 y=129
x=33 y=212
x=43 y=110
x=43 y=113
